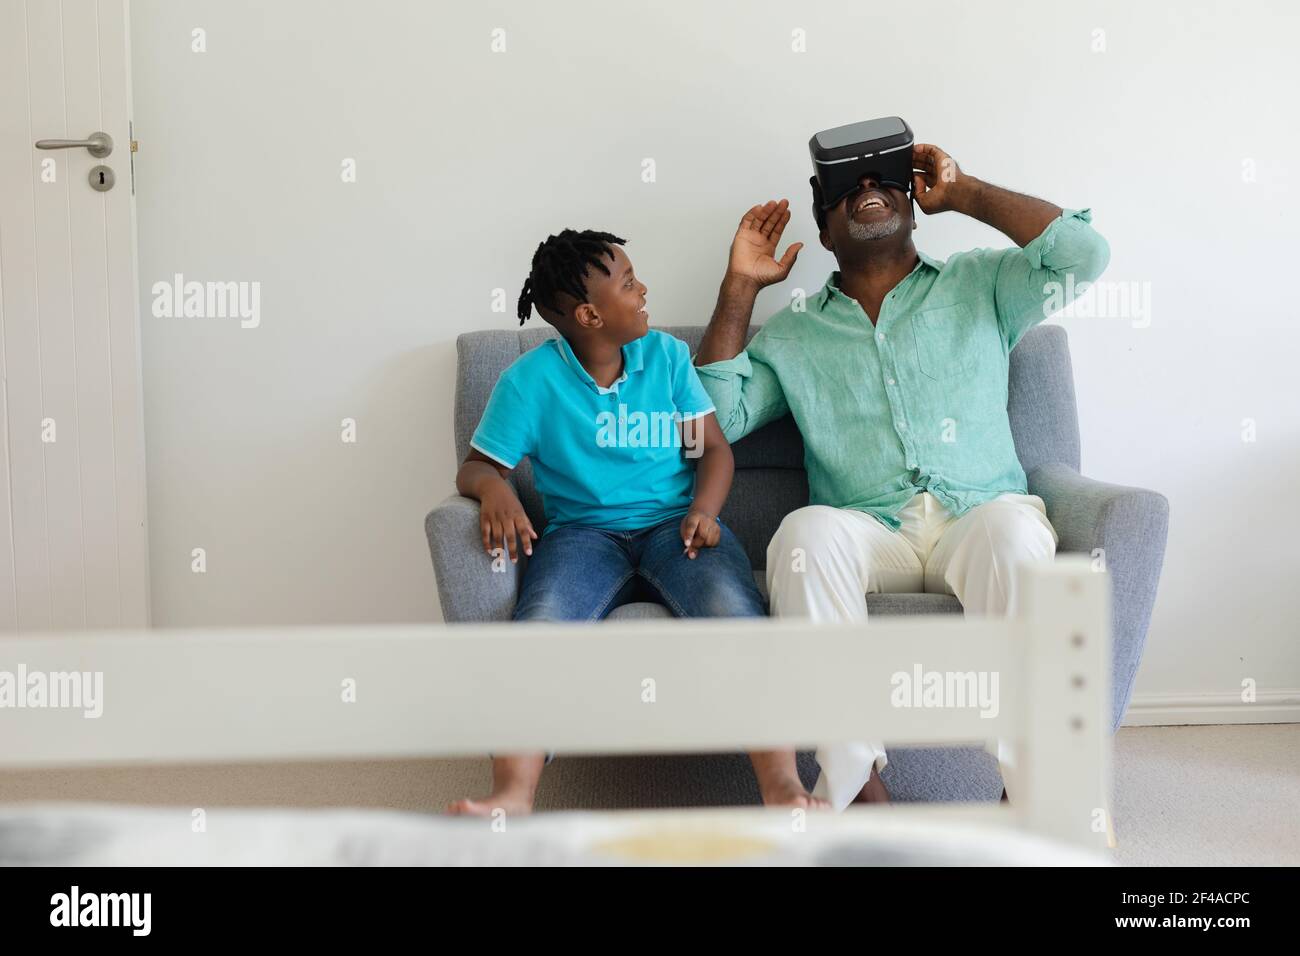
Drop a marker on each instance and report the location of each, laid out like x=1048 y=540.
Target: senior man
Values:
x=895 y=372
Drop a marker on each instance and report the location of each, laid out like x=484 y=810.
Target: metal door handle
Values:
x=99 y=145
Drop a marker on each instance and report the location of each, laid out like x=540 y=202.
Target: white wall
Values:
x=466 y=159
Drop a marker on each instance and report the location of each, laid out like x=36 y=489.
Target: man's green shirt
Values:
x=919 y=400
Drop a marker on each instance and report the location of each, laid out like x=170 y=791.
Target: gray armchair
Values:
x=1124 y=527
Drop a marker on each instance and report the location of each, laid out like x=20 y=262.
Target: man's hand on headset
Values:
x=940 y=185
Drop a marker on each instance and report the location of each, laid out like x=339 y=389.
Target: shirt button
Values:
x=880 y=336
x=891 y=381
x=902 y=427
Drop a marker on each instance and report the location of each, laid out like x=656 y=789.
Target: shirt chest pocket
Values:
x=946 y=341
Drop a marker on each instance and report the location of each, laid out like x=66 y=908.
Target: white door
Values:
x=73 y=544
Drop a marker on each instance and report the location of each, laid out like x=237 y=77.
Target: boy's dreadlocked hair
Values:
x=560 y=265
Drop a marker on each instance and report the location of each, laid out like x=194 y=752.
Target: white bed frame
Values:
x=633 y=687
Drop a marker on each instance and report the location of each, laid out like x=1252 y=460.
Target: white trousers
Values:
x=845 y=555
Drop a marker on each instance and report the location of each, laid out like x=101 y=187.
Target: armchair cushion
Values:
x=468 y=586
x=1124 y=529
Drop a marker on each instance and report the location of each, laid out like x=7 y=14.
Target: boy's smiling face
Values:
x=615 y=306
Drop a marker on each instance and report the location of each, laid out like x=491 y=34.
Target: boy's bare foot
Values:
x=873 y=791
x=515 y=804
x=514 y=784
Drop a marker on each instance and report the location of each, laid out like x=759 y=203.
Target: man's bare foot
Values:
x=514 y=803
x=873 y=791
x=790 y=792
x=779 y=783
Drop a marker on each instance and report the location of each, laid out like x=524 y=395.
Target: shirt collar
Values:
x=832 y=286
x=633 y=361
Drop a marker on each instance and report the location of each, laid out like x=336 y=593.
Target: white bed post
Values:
x=1060 y=786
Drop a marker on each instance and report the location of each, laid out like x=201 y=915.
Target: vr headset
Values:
x=880 y=148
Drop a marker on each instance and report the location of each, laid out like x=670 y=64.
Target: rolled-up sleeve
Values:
x=1047 y=274
x=689 y=397
x=746 y=393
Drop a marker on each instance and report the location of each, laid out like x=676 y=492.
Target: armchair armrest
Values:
x=471 y=585
x=1125 y=529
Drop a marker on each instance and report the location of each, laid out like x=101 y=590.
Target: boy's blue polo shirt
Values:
x=602 y=457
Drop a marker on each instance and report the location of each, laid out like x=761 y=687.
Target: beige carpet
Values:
x=1185 y=796
x=1208 y=796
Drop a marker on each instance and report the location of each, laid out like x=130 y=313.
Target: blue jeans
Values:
x=581 y=574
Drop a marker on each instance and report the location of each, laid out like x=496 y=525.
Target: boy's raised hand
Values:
x=699 y=530
x=504 y=522
x=753 y=251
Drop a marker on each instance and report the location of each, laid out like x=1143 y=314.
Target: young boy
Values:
x=628 y=458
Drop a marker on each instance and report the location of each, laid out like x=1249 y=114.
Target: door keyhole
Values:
x=101 y=178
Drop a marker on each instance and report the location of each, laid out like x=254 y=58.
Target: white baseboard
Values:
x=1159 y=710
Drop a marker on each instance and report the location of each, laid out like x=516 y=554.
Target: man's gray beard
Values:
x=875 y=230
